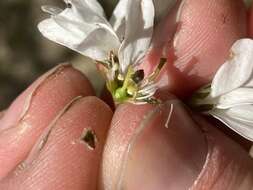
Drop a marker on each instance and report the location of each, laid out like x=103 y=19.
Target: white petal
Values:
x=237 y=124
x=138 y=34
x=51 y=10
x=236 y=71
x=118 y=19
x=240 y=96
x=98 y=44
x=84 y=34
x=94 y=5
x=86 y=10
x=118 y=16
x=242 y=113
x=162 y=8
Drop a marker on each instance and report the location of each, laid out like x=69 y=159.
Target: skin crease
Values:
x=43 y=149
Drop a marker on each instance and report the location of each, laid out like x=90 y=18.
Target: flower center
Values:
x=131 y=86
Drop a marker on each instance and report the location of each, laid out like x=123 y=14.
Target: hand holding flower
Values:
x=181 y=156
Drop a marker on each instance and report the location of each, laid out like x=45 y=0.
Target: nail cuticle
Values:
x=43 y=139
x=203 y=170
x=210 y=148
x=209 y=163
x=49 y=76
x=224 y=165
x=28 y=98
x=147 y=117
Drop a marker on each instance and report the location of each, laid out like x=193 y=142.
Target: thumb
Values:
x=197 y=35
x=166 y=147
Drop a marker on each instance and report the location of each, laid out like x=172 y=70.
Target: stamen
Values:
x=143 y=97
x=148 y=88
x=153 y=101
x=105 y=64
x=120 y=77
x=131 y=86
x=155 y=74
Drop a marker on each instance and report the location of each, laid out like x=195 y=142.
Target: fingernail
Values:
x=167 y=151
x=21 y=105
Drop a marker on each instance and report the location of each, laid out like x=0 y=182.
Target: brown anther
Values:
x=138 y=76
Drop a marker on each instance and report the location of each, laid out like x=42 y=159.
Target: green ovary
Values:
x=120 y=95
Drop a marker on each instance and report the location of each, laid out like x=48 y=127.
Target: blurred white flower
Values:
x=230 y=96
x=118 y=44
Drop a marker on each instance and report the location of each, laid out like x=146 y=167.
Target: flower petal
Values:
x=236 y=71
x=118 y=19
x=118 y=16
x=88 y=11
x=51 y=10
x=138 y=34
x=99 y=43
x=93 y=5
x=237 y=120
x=73 y=26
x=240 y=96
x=242 y=113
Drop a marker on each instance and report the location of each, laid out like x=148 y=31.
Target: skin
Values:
x=41 y=144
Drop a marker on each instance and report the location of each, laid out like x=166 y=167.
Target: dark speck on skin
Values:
x=89 y=138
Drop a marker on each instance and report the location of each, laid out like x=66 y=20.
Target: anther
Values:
x=138 y=76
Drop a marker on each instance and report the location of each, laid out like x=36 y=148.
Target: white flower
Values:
x=231 y=93
x=118 y=44
x=83 y=27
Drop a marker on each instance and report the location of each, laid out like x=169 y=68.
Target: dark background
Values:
x=24 y=53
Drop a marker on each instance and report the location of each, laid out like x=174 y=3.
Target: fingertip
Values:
x=125 y=120
x=32 y=112
x=229 y=164
x=204 y=34
x=174 y=148
x=62 y=158
x=47 y=94
x=208 y=30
